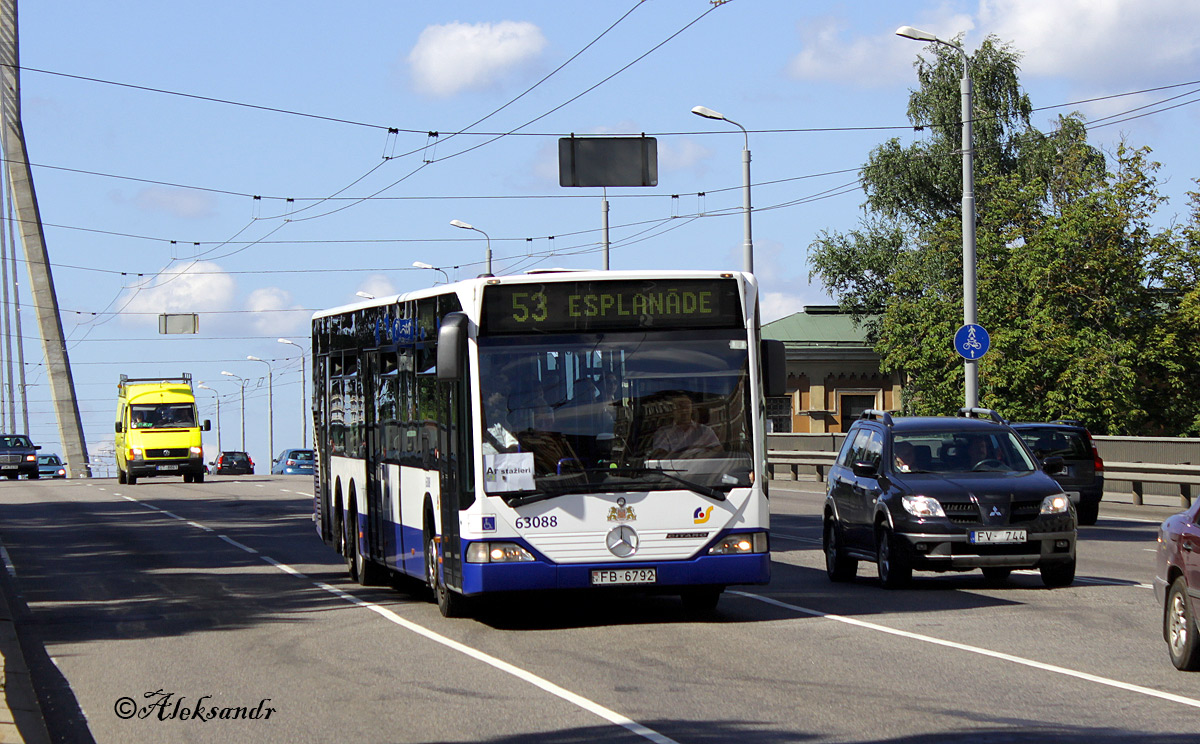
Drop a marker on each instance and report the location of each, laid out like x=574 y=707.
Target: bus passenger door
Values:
x=377 y=507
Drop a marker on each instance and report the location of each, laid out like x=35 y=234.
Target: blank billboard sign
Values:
x=608 y=161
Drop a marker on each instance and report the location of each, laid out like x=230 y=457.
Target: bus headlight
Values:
x=922 y=506
x=1058 y=504
x=746 y=542
x=497 y=552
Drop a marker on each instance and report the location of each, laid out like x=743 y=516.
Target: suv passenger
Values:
x=1082 y=476
x=945 y=494
x=18 y=456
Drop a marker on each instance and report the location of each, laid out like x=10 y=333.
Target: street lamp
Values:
x=242 y=382
x=423 y=265
x=365 y=295
x=303 y=397
x=218 y=398
x=971 y=368
x=270 y=404
x=465 y=226
x=748 y=243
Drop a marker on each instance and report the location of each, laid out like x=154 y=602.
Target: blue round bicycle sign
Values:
x=972 y=341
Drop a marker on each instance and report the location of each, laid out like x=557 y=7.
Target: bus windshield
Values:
x=615 y=412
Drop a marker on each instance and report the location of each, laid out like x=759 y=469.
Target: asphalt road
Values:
x=164 y=598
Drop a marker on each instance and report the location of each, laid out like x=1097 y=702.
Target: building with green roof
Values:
x=833 y=373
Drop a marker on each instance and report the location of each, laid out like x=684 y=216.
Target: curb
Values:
x=21 y=718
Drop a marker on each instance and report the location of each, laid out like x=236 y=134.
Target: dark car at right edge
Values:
x=1082 y=473
x=945 y=494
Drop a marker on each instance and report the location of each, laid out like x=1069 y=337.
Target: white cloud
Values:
x=682 y=154
x=179 y=288
x=176 y=202
x=459 y=56
x=776 y=305
x=265 y=303
x=1109 y=41
x=831 y=54
x=377 y=285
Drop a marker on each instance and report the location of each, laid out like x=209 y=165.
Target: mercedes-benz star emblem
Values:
x=622 y=541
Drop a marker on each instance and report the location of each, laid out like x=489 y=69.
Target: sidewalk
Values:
x=20 y=715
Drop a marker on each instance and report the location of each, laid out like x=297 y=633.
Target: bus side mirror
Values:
x=452 y=346
x=774 y=367
x=207 y=425
x=120 y=428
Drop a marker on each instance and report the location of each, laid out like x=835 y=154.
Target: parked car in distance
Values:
x=1082 y=476
x=51 y=466
x=18 y=456
x=1177 y=586
x=234 y=463
x=944 y=493
x=293 y=462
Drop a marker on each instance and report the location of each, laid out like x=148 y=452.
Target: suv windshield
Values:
x=615 y=411
x=162 y=416
x=949 y=451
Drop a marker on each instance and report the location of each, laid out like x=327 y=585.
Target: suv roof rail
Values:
x=1068 y=422
x=877 y=415
x=980 y=413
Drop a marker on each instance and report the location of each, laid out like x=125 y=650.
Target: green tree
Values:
x=1086 y=302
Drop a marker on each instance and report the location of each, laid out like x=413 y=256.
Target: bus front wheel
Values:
x=450 y=603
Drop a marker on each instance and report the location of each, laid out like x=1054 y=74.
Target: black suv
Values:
x=1082 y=475
x=235 y=463
x=945 y=494
x=18 y=456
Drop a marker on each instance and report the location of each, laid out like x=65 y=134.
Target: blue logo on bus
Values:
x=489 y=524
x=395 y=331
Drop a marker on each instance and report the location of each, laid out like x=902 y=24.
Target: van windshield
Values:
x=162 y=416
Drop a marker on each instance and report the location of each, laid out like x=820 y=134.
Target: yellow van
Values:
x=157 y=431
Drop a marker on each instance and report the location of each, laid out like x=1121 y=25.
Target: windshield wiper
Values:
x=692 y=486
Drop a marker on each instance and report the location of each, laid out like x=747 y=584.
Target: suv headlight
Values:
x=922 y=506
x=1056 y=504
x=497 y=552
x=746 y=542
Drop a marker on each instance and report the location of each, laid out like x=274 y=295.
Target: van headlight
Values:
x=922 y=506
x=746 y=542
x=195 y=451
x=1056 y=504
x=497 y=552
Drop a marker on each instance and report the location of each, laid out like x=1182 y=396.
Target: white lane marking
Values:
x=1150 y=692
x=544 y=684
x=797 y=538
x=606 y=713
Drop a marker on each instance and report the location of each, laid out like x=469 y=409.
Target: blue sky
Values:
x=148 y=197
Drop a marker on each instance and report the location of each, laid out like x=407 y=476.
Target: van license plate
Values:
x=998 y=537
x=167 y=467
x=607 y=576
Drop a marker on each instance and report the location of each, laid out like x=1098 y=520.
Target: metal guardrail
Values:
x=1185 y=477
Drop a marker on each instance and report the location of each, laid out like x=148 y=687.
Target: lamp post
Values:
x=218 y=399
x=970 y=296
x=465 y=226
x=303 y=396
x=365 y=295
x=748 y=242
x=242 y=382
x=423 y=265
x=270 y=404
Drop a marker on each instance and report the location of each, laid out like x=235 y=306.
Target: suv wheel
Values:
x=894 y=568
x=1058 y=574
x=838 y=566
x=1087 y=514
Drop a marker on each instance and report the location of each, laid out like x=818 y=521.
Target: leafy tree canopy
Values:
x=1093 y=312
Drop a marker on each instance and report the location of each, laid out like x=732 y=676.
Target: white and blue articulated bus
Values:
x=550 y=431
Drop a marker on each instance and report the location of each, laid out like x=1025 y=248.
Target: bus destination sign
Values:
x=609 y=305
